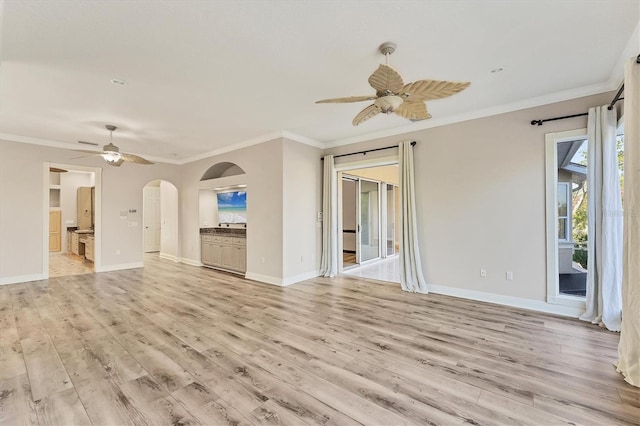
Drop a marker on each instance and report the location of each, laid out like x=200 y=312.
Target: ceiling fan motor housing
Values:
x=388 y=104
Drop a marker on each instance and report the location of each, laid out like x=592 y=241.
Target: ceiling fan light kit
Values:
x=393 y=96
x=111 y=153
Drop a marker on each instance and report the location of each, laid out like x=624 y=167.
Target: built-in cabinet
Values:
x=224 y=252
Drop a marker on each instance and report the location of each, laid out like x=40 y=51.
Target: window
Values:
x=564 y=212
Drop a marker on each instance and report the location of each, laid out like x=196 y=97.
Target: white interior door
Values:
x=151 y=218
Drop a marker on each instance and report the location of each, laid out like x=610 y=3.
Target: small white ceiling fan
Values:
x=112 y=154
x=393 y=96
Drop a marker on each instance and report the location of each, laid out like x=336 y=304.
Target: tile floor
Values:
x=64 y=264
x=384 y=270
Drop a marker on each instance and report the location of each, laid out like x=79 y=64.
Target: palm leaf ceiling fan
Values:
x=393 y=96
x=112 y=154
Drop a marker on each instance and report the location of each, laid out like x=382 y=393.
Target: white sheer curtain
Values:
x=604 y=264
x=629 y=347
x=411 y=277
x=329 y=261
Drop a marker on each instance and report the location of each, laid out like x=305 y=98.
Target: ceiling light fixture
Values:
x=111 y=152
x=118 y=81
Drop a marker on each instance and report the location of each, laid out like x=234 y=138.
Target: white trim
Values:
x=302 y=139
x=551 y=216
x=300 y=277
x=110 y=268
x=168 y=257
x=22 y=279
x=472 y=115
x=516 y=302
x=267 y=279
x=191 y=262
x=254 y=141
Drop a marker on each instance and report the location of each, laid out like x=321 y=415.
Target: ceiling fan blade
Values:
x=415 y=111
x=57 y=170
x=347 y=100
x=386 y=79
x=131 y=158
x=370 y=111
x=424 y=90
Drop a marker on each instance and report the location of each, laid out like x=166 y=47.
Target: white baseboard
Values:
x=168 y=257
x=191 y=262
x=22 y=279
x=517 y=302
x=110 y=268
x=267 y=279
x=300 y=277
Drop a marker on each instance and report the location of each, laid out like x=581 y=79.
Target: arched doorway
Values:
x=160 y=219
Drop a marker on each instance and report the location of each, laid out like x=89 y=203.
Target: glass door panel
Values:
x=391 y=219
x=369 y=220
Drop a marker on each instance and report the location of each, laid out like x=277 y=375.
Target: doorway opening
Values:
x=160 y=219
x=369 y=210
x=72 y=220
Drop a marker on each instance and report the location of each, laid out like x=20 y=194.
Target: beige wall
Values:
x=302 y=200
x=481 y=198
x=22 y=210
x=263 y=167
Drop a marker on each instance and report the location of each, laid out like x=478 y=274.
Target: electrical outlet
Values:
x=483 y=273
x=117 y=251
x=509 y=275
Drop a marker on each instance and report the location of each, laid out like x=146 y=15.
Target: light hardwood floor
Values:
x=175 y=344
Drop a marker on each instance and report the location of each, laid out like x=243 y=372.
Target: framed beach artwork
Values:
x=232 y=207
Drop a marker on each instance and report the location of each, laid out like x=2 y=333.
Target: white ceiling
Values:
x=205 y=75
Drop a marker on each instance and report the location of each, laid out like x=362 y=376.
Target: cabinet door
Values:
x=216 y=256
x=239 y=258
x=227 y=256
x=206 y=253
x=55 y=227
x=84 y=210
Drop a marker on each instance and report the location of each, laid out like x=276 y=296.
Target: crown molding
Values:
x=302 y=139
x=255 y=141
x=550 y=98
x=239 y=145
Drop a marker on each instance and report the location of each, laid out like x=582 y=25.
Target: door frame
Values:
x=97 y=263
x=551 y=217
x=353 y=165
x=359 y=260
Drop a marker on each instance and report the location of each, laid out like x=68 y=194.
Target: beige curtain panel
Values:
x=629 y=348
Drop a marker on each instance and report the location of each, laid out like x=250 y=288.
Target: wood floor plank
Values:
x=62 y=408
x=176 y=344
x=16 y=403
x=47 y=374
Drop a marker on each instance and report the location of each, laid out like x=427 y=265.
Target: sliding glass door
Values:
x=369 y=220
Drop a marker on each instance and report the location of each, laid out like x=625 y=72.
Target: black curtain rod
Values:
x=413 y=143
x=615 y=99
